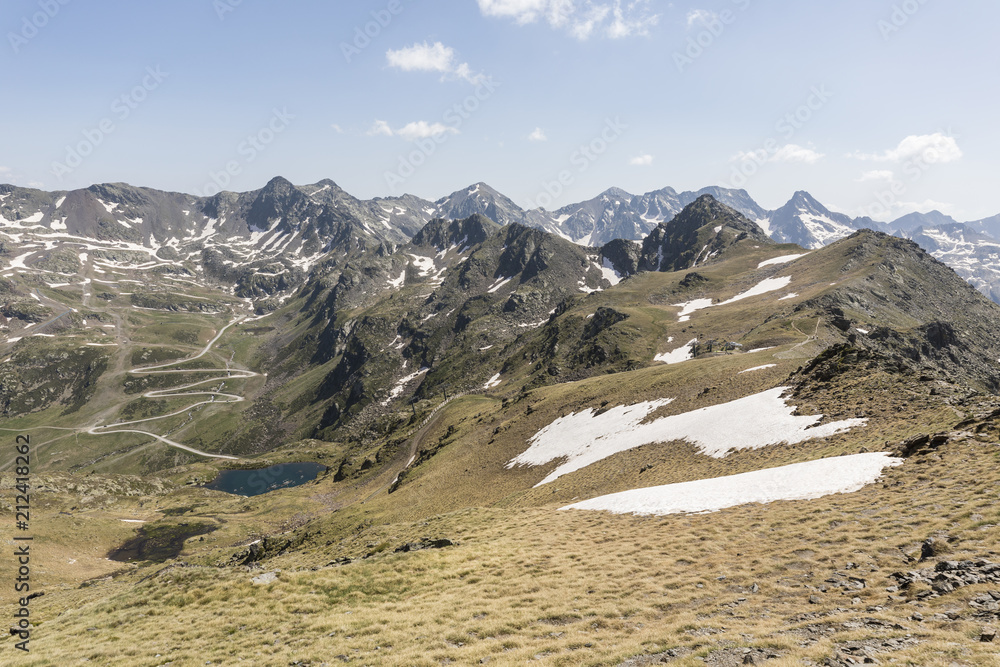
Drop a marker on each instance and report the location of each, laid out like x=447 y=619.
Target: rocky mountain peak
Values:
x=698 y=234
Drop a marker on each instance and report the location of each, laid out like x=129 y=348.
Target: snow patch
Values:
x=752 y=422
x=681 y=354
x=501 y=281
x=759 y=368
x=610 y=274
x=691 y=306
x=110 y=208
x=425 y=265
x=397 y=391
x=398 y=282
x=784 y=259
x=492 y=382
x=799 y=481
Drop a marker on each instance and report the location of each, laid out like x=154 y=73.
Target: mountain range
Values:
x=285 y=223
x=700 y=445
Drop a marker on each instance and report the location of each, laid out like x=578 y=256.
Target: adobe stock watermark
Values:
x=223 y=7
x=713 y=26
x=787 y=126
x=901 y=15
x=32 y=25
x=248 y=149
x=122 y=108
x=582 y=158
x=370 y=31
x=453 y=118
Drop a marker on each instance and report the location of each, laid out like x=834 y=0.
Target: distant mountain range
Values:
x=295 y=226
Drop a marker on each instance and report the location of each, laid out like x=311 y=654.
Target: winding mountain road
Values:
x=174 y=392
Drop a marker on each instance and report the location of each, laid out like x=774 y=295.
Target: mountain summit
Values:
x=700 y=233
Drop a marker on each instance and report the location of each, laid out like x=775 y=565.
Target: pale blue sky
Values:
x=910 y=100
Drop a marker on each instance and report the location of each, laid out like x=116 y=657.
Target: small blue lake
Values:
x=264 y=480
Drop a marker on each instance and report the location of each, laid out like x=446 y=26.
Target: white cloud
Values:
x=434 y=57
x=641 y=160
x=583 y=28
x=581 y=18
x=930 y=148
x=5 y=170
x=337 y=128
x=538 y=135
x=787 y=153
x=380 y=128
x=422 y=57
x=422 y=129
x=699 y=16
x=877 y=175
x=794 y=153
x=419 y=129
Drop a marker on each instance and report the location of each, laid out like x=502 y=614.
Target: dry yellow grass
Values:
x=560 y=588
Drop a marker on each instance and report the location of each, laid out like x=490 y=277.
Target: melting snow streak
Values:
x=800 y=481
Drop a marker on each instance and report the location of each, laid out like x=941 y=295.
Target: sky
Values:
x=876 y=107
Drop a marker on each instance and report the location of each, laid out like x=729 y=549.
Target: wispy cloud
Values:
x=337 y=128
x=877 y=175
x=795 y=153
x=787 y=153
x=380 y=128
x=580 y=18
x=641 y=160
x=697 y=17
x=538 y=135
x=931 y=148
x=420 y=129
x=436 y=57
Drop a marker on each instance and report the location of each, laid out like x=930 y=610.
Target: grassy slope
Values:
x=527 y=582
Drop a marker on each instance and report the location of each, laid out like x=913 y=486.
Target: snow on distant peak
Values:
x=753 y=422
x=823 y=229
x=110 y=208
x=799 y=481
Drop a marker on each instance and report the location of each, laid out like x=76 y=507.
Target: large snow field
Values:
x=747 y=423
x=799 y=481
